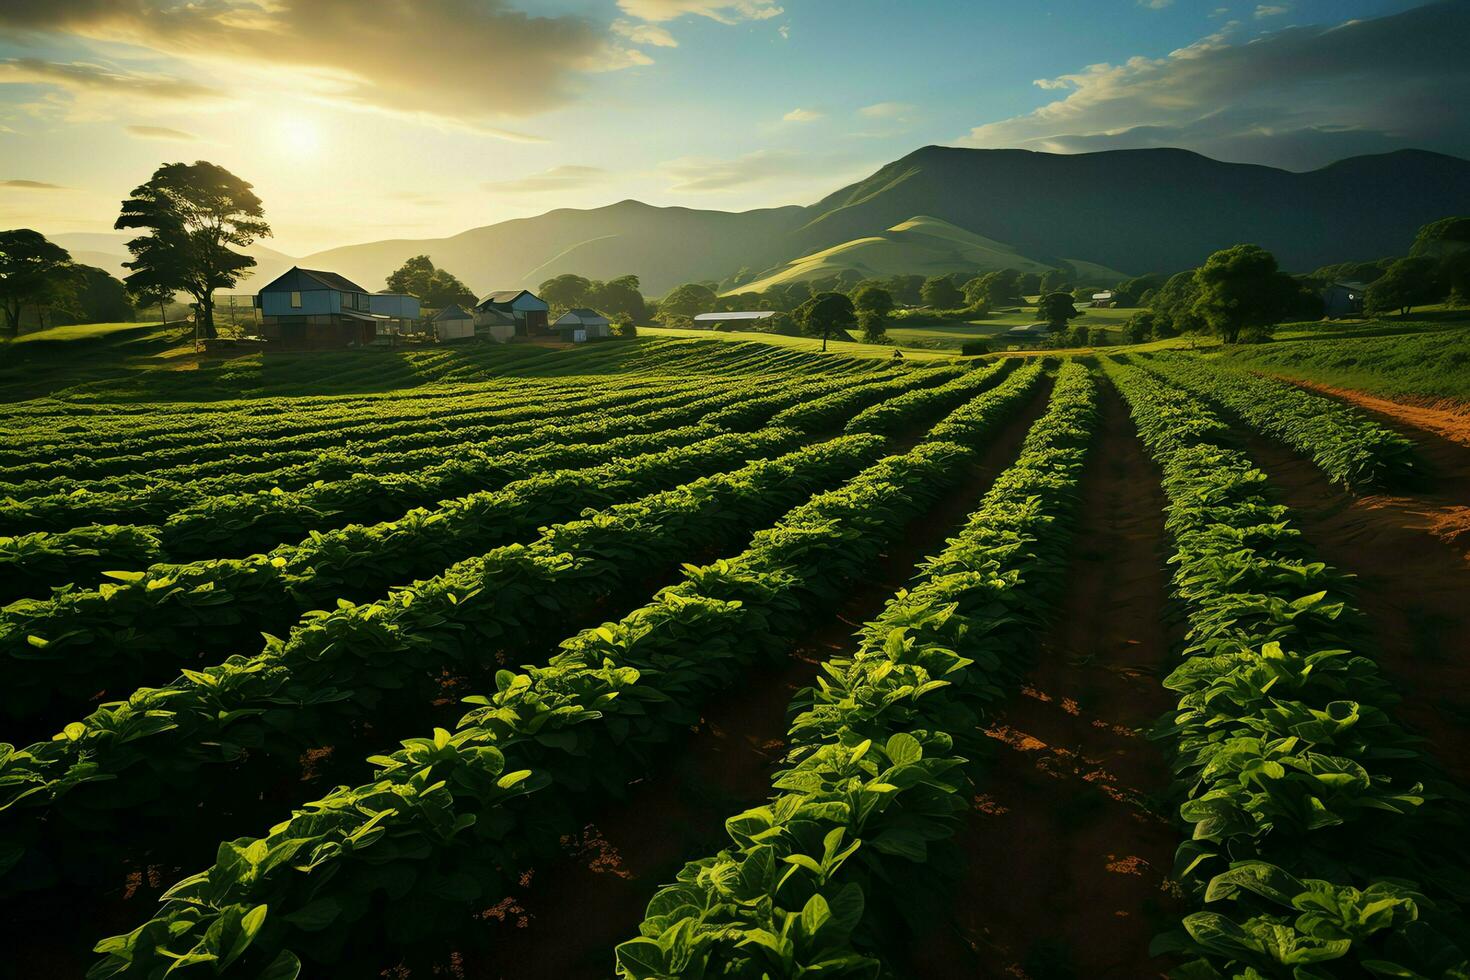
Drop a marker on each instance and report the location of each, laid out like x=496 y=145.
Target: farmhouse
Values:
x=454 y=323
x=738 y=316
x=1343 y=298
x=311 y=309
x=527 y=310
x=1104 y=300
x=581 y=325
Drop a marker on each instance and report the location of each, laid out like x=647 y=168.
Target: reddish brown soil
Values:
x=1445 y=418
x=1414 y=591
x=565 y=920
x=1067 y=851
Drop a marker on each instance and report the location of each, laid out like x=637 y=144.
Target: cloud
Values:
x=650 y=34
x=703 y=175
x=1271 y=10
x=886 y=110
x=562 y=178
x=1298 y=98
x=417 y=198
x=723 y=11
x=1156 y=4
x=469 y=62
x=30 y=185
x=800 y=115
x=85 y=77
x=161 y=133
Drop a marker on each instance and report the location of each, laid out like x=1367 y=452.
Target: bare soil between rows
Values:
x=1068 y=846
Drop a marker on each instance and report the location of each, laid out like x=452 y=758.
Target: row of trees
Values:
x=434 y=288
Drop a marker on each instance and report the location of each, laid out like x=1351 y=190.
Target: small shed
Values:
x=1031 y=333
x=494 y=324
x=1343 y=298
x=581 y=325
x=528 y=310
x=1104 y=300
x=453 y=323
x=401 y=308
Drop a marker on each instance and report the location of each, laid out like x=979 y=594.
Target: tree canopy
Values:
x=1408 y=283
x=825 y=313
x=1241 y=288
x=32 y=269
x=941 y=293
x=1056 y=309
x=196 y=215
x=434 y=287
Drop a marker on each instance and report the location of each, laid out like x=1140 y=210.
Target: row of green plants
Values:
x=65 y=436
x=451 y=818
x=57 y=650
x=833 y=410
x=1322 y=840
x=63 y=501
x=374 y=437
x=210 y=729
x=236 y=524
x=1350 y=448
x=890 y=416
x=814 y=881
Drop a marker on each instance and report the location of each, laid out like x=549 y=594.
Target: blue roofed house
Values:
x=527 y=310
x=308 y=308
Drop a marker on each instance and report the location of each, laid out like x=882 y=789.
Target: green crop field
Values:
x=713 y=655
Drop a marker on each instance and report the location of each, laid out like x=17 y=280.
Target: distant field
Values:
x=1425 y=358
x=847 y=348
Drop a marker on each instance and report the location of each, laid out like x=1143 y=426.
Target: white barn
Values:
x=582 y=324
x=453 y=323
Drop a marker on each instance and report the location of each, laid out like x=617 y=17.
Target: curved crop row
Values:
x=831 y=410
x=873 y=775
x=1323 y=843
x=889 y=416
x=243 y=523
x=1345 y=444
x=358 y=662
x=80 y=641
x=433 y=831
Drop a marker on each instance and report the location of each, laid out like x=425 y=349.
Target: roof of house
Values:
x=583 y=315
x=1031 y=329
x=356 y=315
x=1105 y=294
x=505 y=297
x=299 y=280
x=1350 y=284
x=452 y=312
x=734 y=315
x=489 y=316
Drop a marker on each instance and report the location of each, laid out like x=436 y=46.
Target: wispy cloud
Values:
x=86 y=77
x=30 y=185
x=799 y=115
x=1156 y=4
x=1299 y=98
x=723 y=11
x=886 y=110
x=1271 y=10
x=650 y=34
x=562 y=178
x=702 y=175
x=161 y=133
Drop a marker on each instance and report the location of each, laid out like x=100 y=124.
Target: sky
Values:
x=359 y=120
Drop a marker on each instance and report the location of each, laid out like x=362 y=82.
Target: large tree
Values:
x=619 y=297
x=941 y=293
x=565 y=292
x=412 y=277
x=197 y=214
x=1408 y=283
x=1241 y=288
x=1055 y=309
x=445 y=289
x=32 y=270
x=686 y=302
x=824 y=313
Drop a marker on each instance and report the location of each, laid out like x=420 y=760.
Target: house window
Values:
x=295 y=301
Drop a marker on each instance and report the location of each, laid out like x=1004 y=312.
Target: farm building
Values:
x=1104 y=300
x=582 y=324
x=525 y=308
x=1343 y=299
x=402 y=308
x=734 y=317
x=311 y=309
x=454 y=323
x=493 y=324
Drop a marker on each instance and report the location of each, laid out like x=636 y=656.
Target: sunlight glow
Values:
x=299 y=137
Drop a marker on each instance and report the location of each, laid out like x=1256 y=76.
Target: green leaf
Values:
x=815 y=914
x=903 y=749
x=641 y=959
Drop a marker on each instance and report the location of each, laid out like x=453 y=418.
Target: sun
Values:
x=299 y=137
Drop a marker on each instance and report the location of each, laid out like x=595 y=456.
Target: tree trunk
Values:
x=12 y=319
x=163 y=314
x=206 y=316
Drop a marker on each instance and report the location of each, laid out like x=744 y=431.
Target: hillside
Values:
x=945 y=209
x=109 y=250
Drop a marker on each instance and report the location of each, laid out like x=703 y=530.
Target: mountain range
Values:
x=946 y=209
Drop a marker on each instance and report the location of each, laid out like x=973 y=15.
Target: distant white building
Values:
x=454 y=323
x=581 y=325
x=742 y=316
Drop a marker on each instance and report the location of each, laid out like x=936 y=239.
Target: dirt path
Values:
x=1066 y=849
x=1446 y=419
x=566 y=918
x=1414 y=593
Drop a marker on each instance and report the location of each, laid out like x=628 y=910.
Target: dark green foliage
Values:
x=1240 y=289
x=941 y=293
x=31 y=269
x=1056 y=309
